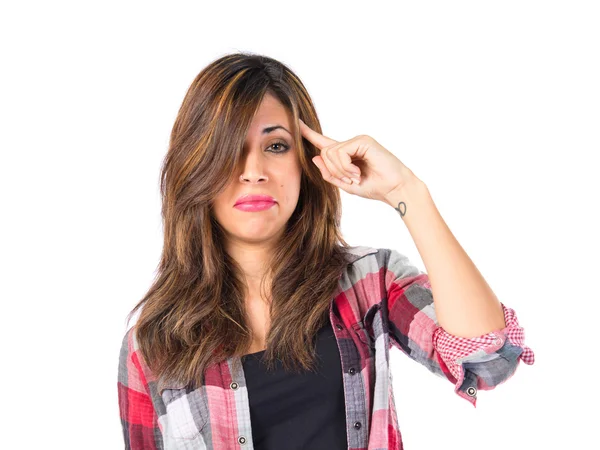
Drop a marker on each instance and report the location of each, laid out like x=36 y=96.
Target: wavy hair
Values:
x=194 y=313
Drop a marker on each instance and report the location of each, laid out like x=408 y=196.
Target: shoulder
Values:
x=128 y=346
x=360 y=251
x=362 y=263
x=370 y=259
x=381 y=255
x=130 y=352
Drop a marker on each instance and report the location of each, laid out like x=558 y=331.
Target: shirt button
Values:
x=472 y=391
x=242 y=440
x=338 y=326
x=233 y=385
x=497 y=341
x=352 y=371
x=357 y=425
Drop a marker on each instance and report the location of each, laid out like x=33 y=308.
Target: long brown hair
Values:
x=193 y=315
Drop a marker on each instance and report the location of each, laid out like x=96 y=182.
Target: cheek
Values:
x=219 y=205
x=291 y=189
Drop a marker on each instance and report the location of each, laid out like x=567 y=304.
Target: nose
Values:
x=252 y=177
x=253 y=169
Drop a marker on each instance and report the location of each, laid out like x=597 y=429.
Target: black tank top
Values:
x=294 y=411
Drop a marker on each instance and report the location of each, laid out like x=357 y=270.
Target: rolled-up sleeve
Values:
x=470 y=364
x=483 y=362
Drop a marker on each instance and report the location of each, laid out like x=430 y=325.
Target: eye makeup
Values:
x=285 y=146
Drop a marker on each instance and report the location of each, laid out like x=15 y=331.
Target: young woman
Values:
x=264 y=329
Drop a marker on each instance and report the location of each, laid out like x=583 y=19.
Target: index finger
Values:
x=317 y=139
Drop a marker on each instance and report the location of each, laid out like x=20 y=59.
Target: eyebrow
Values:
x=267 y=130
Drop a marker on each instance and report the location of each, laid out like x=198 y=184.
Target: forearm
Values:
x=465 y=305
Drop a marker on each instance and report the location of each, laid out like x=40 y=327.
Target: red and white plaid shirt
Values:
x=383 y=301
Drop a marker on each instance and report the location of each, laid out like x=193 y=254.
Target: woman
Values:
x=264 y=329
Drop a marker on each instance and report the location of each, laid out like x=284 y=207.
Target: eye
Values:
x=280 y=144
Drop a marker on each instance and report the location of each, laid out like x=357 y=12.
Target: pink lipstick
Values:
x=255 y=206
x=250 y=202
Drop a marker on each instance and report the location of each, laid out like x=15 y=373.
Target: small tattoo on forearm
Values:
x=401 y=211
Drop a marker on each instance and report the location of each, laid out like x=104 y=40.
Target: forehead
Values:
x=270 y=112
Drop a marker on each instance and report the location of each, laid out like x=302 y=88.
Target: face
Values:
x=269 y=167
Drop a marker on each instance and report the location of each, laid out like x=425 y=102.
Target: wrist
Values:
x=411 y=189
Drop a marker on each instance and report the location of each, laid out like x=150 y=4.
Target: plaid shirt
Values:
x=382 y=301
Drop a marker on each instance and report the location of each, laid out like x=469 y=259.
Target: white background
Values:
x=494 y=105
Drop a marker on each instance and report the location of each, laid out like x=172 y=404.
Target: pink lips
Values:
x=254 y=206
x=255 y=202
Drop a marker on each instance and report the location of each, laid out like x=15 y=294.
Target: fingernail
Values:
x=356 y=180
x=346 y=180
